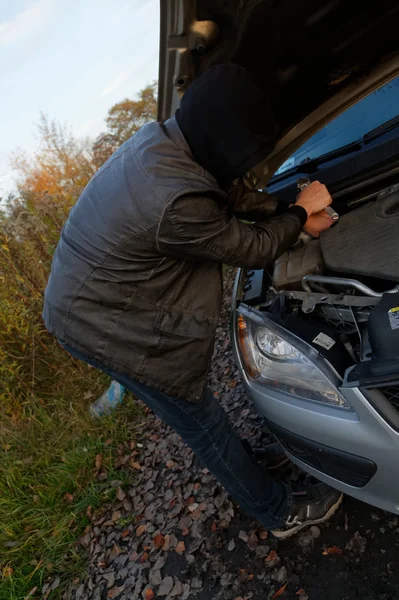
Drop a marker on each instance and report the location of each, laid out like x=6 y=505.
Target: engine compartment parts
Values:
x=366 y=241
x=344 y=282
x=321 y=337
x=383 y=328
x=351 y=322
x=296 y=263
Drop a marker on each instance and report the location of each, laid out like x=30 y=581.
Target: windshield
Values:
x=370 y=112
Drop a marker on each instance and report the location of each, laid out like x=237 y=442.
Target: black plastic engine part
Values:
x=254 y=286
x=383 y=331
x=321 y=337
x=366 y=241
x=383 y=328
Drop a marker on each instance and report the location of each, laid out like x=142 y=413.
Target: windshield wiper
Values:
x=381 y=129
x=311 y=164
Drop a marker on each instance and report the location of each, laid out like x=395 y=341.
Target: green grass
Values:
x=48 y=479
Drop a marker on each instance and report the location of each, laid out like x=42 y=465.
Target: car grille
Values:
x=392 y=395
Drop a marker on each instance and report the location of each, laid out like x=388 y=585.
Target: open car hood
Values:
x=313 y=59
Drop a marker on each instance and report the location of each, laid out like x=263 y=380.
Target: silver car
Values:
x=316 y=335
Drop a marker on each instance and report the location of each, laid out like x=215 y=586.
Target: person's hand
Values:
x=314 y=198
x=317 y=223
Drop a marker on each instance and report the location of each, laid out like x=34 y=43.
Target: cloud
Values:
x=26 y=23
x=116 y=82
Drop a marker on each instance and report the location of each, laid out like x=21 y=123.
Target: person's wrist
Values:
x=300 y=211
x=305 y=206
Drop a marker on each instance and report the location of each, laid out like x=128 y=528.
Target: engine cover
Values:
x=366 y=240
x=302 y=259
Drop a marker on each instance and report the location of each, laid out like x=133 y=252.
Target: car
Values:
x=316 y=334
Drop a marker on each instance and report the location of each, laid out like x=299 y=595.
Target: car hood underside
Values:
x=304 y=54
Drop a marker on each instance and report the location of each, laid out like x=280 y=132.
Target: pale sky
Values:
x=72 y=59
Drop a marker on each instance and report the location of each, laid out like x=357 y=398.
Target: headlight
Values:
x=274 y=361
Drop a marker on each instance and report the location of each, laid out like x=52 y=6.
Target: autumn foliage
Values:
x=49 y=182
x=52 y=452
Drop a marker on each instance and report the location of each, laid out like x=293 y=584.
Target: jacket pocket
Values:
x=173 y=321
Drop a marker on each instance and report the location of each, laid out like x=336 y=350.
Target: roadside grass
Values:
x=49 y=482
x=49 y=443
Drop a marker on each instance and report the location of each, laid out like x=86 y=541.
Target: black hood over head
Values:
x=227 y=121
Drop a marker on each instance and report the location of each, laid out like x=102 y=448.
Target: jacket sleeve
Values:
x=197 y=227
x=251 y=205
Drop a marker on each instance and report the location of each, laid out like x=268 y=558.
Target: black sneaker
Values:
x=312 y=505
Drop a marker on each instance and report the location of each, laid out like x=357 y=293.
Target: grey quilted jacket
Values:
x=136 y=280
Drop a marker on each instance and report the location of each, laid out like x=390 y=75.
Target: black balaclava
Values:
x=227 y=121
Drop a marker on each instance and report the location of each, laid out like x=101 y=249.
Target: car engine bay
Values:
x=340 y=293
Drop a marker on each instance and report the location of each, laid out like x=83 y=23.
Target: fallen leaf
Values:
x=271 y=556
x=68 y=498
x=149 y=594
x=185 y=531
x=250 y=577
x=32 y=592
x=108 y=442
x=115 y=552
x=280 y=592
x=136 y=465
x=125 y=533
x=7 y=571
x=333 y=551
x=300 y=592
x=99 y=461
x=214 y=527
x=144 y=557
x=166 y=543
x=180 y=548
x=243 y=575
x=170 y=464
x=89 y=512
x=114 y=592
x=120 y=494
x=116 y=515
x=140 y=530
x=158 y=541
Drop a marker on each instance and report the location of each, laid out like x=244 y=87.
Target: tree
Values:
x=60 y=168
x=123 y=120
x=126 y=117
x=63 y=165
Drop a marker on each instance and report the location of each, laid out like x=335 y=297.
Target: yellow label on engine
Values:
x=394 y=309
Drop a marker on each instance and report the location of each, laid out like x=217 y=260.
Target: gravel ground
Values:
x=177 y=535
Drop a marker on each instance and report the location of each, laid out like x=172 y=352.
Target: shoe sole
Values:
x=278 y=533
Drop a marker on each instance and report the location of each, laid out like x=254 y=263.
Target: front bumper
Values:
x=353 y=451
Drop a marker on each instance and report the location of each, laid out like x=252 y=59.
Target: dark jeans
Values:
x=205 y=427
